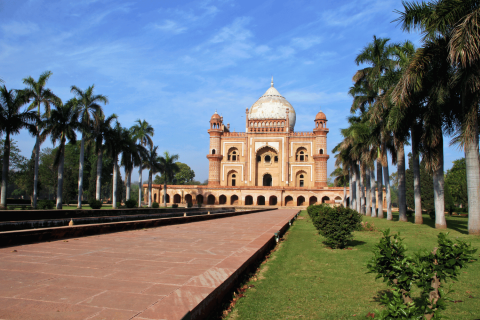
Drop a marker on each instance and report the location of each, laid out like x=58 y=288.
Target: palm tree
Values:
x=37 y=92
x=341 y=178
x=119 y=141
x=100 y=130
x=151 y=162
x=60 y=126
x=168 y=169
x=89 y=108
x=12 y=120
x=143 y=133
x=131 y=157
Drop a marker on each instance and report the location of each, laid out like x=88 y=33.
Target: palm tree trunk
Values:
x=367 y=187
x=99 y=175
x=80 y=172
x=387 y=187
x=402 y=198
x=473 y=179
x=150 y=188
x=438 y=189
x=6 y=159
x=35 y=174
x=344 y=193
x=350 y=188
x=354 y=188
x=140 y=186
x=165 y=192
x=362 y=189
x=127 y=177
x=416 y=180
x=358 y=189
x=380 y=188
x=115 y=178
x=60 y=176
x=372 y=180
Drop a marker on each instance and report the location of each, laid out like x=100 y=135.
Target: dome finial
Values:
x=272 y=82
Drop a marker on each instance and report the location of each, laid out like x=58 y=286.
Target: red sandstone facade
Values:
x=268 y=164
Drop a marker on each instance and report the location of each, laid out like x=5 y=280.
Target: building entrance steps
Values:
x=156 y=273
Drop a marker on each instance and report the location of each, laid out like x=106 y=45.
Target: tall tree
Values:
x=131 y=157
x=168 y=168
x=118 y=142
x=12 y=120
x=152 y=163
x=60 y=126
x=39 y=95
x=89 y=105
x=143 y=132
x=102 y=127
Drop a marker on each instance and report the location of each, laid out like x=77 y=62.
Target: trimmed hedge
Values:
x=336 y=224
x=155 y=205
x=95 y=204
x=45 y=204
x=131 y=203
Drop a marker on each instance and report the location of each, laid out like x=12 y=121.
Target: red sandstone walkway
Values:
x=158 y=273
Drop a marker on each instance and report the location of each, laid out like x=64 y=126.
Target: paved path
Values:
x=158 y=273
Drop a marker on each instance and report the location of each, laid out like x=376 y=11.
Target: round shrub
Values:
x=155 y=205
x=95 y=204
x=335 y=224
x=189 y=204
x=174 y=205
x=45 y=204
x=131 y=203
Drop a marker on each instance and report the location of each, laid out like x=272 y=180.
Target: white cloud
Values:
x=349 y=13
x=306 y=42
x=170 y=26
x=16 y=28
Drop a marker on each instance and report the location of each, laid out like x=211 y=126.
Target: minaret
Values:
x=215 y=155
x=320 y=153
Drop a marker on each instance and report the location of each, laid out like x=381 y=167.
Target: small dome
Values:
x=216 y=116
x=272 y=105
x=320 y=116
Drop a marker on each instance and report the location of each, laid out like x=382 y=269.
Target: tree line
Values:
x=420 y=95
x=103 y=143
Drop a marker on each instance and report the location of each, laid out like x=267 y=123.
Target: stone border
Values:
x=215 y=298
x=12 y=238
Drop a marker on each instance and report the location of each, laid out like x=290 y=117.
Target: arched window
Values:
x=234 y=156
x=259 y=158
x=275 y=159
x=301 y=154
x=321 y=151
x=213 y=151
x=302 y=181
x=267 y=158
x=267 y=180
x=234 y=180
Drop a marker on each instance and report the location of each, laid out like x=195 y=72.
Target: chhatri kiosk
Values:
x=268 y=164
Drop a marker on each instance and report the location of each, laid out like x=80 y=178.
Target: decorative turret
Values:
x=215 y=155
x=320 y=153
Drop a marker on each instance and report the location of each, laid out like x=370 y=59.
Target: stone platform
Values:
x=158 y=273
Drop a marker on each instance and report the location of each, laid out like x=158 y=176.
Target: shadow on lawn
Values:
x=355 y=243
x=456 y=223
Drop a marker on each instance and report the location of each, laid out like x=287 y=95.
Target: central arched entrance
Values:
x=260 y=200
x=267 y=180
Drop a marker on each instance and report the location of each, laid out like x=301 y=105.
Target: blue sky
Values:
x=174 y=63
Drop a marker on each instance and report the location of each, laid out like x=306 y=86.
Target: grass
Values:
x=303 y=279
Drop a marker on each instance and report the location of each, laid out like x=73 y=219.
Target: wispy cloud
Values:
x=169 y=26
x=17 y=28
x=355 y=12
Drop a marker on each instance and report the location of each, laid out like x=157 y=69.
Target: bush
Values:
x=402 y=272
x=189 y=204
x=131 y=203
x=155 y=205
x=410 y=213
x=45 y=204
x=335 y=224
x=95 y=204
x=119 y=204
x=174 y=205
x=199 y=205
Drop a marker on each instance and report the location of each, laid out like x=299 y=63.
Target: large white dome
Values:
x=272 y=106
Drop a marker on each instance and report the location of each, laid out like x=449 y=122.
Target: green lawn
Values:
x=305 y=280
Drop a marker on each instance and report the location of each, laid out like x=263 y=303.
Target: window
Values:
x=301 y=183
x=233 y=180
x=267 y=158
x=234 y=156
x=213 y=151
x=321 y=151
x=275 y=159
x=259 y=158
x=301 y=176
x=302 y=156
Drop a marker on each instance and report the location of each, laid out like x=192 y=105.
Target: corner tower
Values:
x=215 y=155
x=320 y=153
